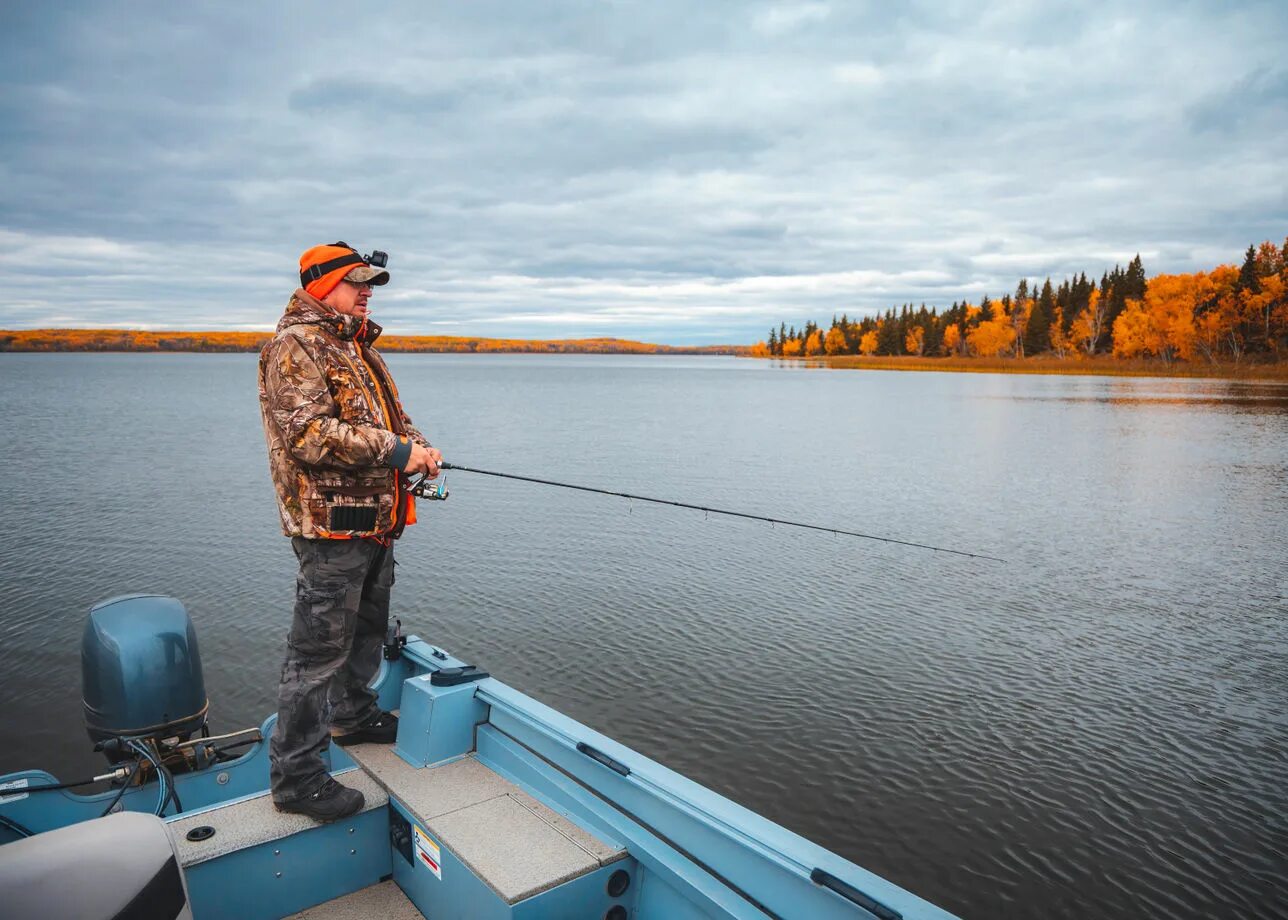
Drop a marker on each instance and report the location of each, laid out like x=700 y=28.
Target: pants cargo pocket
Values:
x=323 y=622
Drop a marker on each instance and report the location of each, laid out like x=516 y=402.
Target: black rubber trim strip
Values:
x=162 y=898
x=600 y=757
x=148 y=729
x=850 y=893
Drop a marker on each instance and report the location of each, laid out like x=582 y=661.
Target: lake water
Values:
x=1098 y=726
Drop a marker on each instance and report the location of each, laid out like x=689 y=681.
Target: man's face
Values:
x=350 y=298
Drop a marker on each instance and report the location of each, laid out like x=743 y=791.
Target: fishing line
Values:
x=421 y=487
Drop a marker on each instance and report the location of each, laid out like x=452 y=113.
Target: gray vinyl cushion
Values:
x=93 y=870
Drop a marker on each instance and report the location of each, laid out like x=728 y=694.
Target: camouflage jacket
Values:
x=336 y=430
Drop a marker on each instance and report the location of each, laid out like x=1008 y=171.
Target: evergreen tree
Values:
x=1114 y=288
x=1037 y=334
x=929 y=322
x=889 y=341
x=1079 y=299
x=1134 y=280
x=1248 y=280
x=773 y=342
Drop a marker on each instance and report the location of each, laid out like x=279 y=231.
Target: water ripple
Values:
x=1099 y=726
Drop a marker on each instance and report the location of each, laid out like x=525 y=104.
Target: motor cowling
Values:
x=141 y=670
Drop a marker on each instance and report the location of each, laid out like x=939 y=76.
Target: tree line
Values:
x=1225 y=314
x=140 y=340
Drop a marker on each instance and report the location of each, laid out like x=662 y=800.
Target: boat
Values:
x=489 y=805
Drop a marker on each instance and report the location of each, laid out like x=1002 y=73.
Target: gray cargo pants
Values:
x=332 y=652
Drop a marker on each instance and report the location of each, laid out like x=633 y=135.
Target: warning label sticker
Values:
x=427 y=852
x=5 y=790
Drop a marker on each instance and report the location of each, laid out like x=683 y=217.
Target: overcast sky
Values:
x=681 y=172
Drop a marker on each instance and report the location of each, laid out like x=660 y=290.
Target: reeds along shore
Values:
x=1101 y=366
x=1231 y=321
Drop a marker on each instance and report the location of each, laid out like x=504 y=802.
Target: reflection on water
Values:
x=1224 y=395
x=1097 y=727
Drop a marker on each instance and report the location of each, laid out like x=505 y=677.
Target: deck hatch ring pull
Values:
x=850 y=893
x=198 y=834
x=615 y=765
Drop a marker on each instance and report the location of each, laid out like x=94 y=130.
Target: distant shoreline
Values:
x=1086 y=367
x=134 y=340
x=66 y=341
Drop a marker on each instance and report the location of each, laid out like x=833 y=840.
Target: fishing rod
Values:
x=423 y=487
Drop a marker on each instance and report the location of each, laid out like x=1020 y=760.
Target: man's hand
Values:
x=424 y=460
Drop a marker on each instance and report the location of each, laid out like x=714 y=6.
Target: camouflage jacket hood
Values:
x=336 y=430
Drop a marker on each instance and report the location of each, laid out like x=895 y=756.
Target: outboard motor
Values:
x=141 y=673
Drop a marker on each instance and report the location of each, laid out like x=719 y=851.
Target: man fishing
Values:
x=339 y=449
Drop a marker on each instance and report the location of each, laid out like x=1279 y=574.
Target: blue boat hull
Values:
x=685 y=851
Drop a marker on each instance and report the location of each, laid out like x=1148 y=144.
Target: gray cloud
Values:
x=674 y=172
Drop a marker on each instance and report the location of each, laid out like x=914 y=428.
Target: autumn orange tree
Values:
x=915 y=340
x=1091 y=324
x=991 y=338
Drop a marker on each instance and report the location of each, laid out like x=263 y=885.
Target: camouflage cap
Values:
x=367 y=274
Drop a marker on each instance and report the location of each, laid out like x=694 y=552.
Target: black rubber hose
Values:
x=83 y=782
x=14 y=826
x=174 y=790
x=125 y=784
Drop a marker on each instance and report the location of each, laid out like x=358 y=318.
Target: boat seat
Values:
x=514 y=843
x=123 y=865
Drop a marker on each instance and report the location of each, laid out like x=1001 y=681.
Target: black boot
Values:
x=331 y=802
x=381 y=728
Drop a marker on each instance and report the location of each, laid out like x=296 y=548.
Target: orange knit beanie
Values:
x=320 y=255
